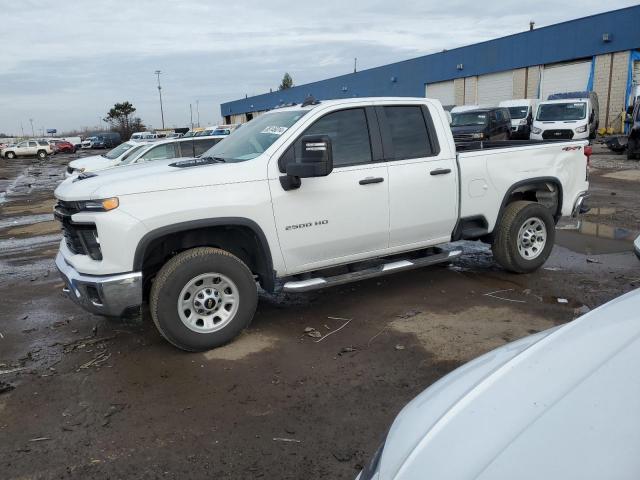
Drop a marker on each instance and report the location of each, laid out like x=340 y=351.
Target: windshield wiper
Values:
x=214 y=159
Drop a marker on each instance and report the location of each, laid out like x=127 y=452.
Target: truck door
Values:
x=345 y=215
x=423 y=190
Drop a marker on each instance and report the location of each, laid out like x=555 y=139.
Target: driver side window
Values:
x=349 y=133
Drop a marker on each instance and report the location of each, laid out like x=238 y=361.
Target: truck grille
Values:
x=562 y=134
x=463 y=137
x=80 y=238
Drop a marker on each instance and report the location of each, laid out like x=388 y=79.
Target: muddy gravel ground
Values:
x=83 y=397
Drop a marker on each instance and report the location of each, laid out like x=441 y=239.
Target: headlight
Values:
x=536 y=130
x=581 y=129
x=479 y=136
x=522 y=122
x=99 y=205
x=373 y=467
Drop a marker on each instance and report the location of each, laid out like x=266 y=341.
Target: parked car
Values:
x=102 y=140
x=62 y=146
x=140 y=152
x=521 y=112
x=481 y=124
x=106 y=160
x=573 y=115
x=28 y=148
x=300 y=197
x=467 y=108
x=636 y=247
x=76 y=141
x=144 y=136
x=218 y=130
x=560 y=404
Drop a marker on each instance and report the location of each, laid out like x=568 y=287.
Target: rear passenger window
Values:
x=349 y=135
x=408 y=132
x=201 y=146
x=161 y=152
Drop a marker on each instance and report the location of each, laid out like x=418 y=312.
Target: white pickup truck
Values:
x=301 y=198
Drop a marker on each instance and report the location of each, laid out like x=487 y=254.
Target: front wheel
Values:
x=10 y=155
x=524 y=238
x=203 y=298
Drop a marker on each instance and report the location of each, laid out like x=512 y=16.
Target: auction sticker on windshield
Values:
x=274 y=130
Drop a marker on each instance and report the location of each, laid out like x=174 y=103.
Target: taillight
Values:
x=588 y=151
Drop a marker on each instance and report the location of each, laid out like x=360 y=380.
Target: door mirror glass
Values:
x=316 y=159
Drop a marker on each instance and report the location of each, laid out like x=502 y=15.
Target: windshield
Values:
x=130 y=153
x=119 y=150
x=221 y=132
x=519 y=112
x=562 y=111
x=255 y=137
x=468 y=119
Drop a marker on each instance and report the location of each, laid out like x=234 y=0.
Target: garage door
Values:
x=442 y=91
x=494 y=88
x=568 y=77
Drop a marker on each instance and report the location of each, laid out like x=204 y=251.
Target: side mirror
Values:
x=316 y=160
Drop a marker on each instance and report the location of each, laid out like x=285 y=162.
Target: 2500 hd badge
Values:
x=306 y=225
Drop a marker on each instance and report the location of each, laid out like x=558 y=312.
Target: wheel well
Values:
x=547 y=192
x=239 y=240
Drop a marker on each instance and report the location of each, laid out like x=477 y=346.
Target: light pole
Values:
x=158 y=72
x=191 y=115
x=198 y=111
x=33 y=134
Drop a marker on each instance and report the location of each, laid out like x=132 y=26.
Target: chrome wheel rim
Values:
x=208 y=302
x=532 y=238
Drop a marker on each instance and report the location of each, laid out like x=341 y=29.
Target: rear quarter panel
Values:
x=486 y=176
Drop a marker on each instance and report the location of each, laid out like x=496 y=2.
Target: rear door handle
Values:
x=440 y=171
x=368 y=180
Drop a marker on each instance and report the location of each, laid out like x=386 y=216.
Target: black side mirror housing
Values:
x=316 y=161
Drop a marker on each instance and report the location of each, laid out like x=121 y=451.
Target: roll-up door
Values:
x=568 y=77
x=442 y=91
x=495 y=87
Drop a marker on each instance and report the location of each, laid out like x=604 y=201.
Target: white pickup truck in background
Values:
x=306 y=197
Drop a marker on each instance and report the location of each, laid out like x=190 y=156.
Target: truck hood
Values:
x=155 y=176
x=559 y=404
x=92 y=163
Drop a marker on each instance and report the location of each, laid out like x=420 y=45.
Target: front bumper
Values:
x=108 y=295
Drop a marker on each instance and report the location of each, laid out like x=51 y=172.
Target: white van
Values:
x=566 y=116
x=521 y=111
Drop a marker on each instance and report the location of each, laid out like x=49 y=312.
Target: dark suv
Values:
x=481 y=124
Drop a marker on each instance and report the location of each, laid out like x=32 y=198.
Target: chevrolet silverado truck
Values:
x=306 y=197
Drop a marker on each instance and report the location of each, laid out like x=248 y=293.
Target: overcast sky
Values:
x=64 y=64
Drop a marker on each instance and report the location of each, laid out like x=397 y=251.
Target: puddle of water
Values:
x=592 y=238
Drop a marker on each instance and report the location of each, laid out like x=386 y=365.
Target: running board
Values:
x=379 y=270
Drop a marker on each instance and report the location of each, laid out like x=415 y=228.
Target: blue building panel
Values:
x=572 y=40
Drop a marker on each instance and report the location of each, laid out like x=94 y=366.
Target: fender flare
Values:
x=145 y=241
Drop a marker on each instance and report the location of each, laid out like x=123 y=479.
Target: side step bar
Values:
x=379 y=270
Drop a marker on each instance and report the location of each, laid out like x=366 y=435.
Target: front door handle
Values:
x=440 y=171
x=368 y=180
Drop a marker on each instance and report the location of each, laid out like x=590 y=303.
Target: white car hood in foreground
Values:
x=156 y=176
x=564 y=403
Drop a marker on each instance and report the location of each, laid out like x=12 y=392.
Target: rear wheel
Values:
x=524 y=238
x=42 y=154
x=203 y=298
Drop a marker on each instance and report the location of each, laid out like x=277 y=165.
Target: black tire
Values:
x=10 y=155
x=41 y=154
x=180 y=271
x=505 y=245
